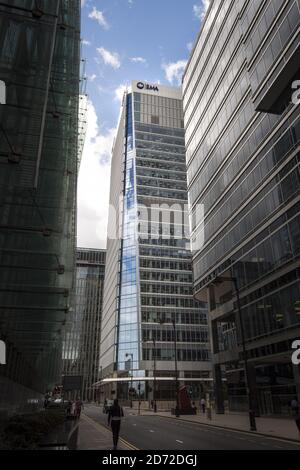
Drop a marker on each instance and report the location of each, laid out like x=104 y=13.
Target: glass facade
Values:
x=154 y=298
x=242 y=138
x=128 y=328
x=81 y=342
x=40 y=67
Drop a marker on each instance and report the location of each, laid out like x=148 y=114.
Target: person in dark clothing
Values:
x=78 y=407
x=115 y=414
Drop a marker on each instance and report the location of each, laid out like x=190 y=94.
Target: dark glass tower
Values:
x=39 y=73
x=242 y=137
x=81 y=344
x=151 y=323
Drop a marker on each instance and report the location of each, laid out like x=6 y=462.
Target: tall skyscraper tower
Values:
x=81 y=345
x=242 y=127
x=39 y=102
x=151 y=324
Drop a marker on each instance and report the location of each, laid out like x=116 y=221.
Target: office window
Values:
x=154 y=119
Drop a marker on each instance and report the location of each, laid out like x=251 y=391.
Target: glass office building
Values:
x=242 y=137
x=39 y=81
x=81 y=344
x=149 y=311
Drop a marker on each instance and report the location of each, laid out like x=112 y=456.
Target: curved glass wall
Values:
x=128 y=334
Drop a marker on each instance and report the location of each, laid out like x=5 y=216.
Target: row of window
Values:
x=161 y=156
x=165 y=175
x=207 y=46
x=165 y=276
x=164 y=253
x=183 y=334
x=269 y=55
x=166 y=289
x=148 y=137
x=157 y=100
x=271 y=198
x=268 y=315
x=165 y=264
x=159 y=130
x=162 y=121
x=198 y=316
x=216 y=120
x=275 y=251
x=210 y=103
x=167 y=302
x=146 y=161
x=182 y=354
x=262 y=25
x=162 y=193
x=223 y=145
x=257 y=171
x=160 y=183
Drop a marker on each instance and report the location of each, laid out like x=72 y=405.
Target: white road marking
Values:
x=180 y=442
x=151 y=430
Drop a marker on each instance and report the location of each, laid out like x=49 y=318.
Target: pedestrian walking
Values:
x=115 y=414
x=194 y=408
x=73 y=409
x=203 y=405
x=78 y=407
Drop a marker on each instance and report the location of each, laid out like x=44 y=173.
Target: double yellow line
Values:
x=103 y=426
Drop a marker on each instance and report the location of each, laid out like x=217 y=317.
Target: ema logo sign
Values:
x=2 y=92
x=2 y=352
x=145 y=86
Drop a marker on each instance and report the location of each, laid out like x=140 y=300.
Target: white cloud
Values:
x=140 y=60
x=92 y=77
x=119 y=92
x=98 y=16
x=189 y=46
x=85 y=42
x=174 y=71
x=200 y=10
x=93 y=183
x=110 y=58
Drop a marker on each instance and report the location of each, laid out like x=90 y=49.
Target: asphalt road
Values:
x=159 y=433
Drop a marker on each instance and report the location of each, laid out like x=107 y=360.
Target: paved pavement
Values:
x=152 y=432
x=284 y=428
x=94 y=436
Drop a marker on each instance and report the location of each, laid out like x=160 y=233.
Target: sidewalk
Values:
x=94 y=436
x=283 y=428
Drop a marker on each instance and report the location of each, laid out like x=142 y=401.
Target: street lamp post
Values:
x=245 y=354
x=131 y=387
x=154 y=378
x=101 y=377
x=177 y=412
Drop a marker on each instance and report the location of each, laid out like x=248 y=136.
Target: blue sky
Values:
x=123 y=40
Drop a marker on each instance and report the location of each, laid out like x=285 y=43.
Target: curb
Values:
x=251 y=433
